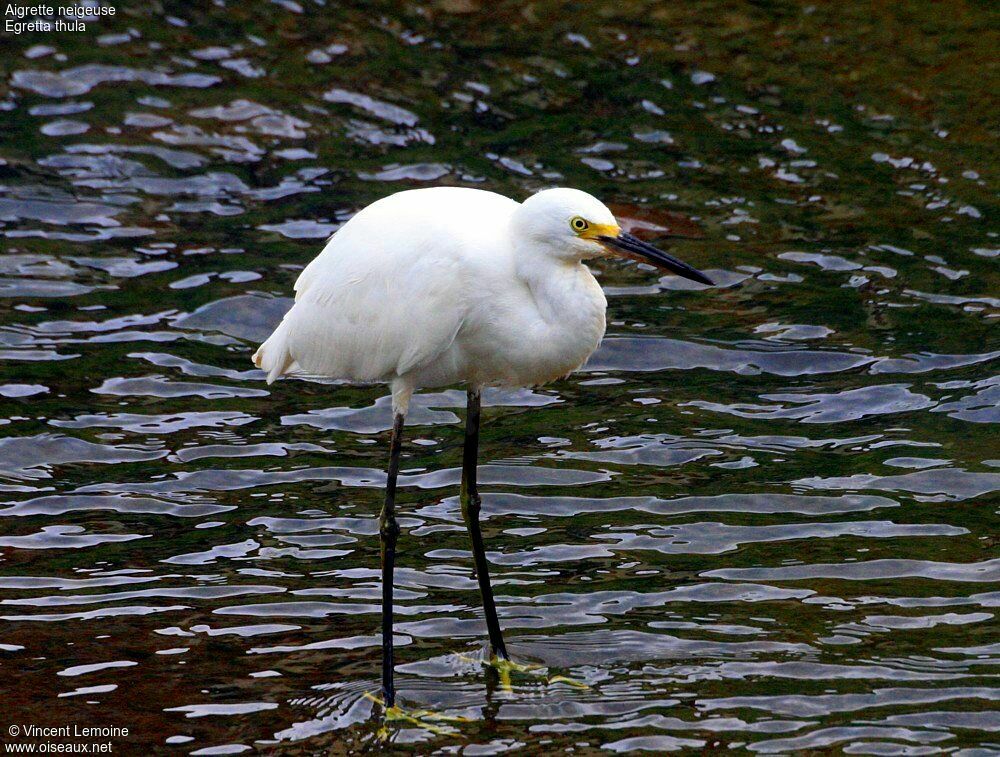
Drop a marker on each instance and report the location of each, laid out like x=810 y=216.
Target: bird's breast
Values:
x=541 y=333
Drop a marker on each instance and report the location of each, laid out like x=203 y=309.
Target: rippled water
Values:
x=763 y=517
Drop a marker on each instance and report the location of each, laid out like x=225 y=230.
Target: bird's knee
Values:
x=472 y=506
x=388 y=530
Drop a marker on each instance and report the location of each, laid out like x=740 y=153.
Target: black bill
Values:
x=643 y=251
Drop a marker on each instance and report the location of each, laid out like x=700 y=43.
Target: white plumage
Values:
x=432 y=287
x=441 y=286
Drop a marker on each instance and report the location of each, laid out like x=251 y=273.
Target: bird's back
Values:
x=391 y=289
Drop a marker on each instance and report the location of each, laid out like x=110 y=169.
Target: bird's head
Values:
x=576 y=226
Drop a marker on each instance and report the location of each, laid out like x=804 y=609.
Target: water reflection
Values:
x=762 y=518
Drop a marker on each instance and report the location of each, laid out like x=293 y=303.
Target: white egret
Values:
x=441 y=286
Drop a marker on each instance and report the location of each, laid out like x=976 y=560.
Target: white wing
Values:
x=391 y=289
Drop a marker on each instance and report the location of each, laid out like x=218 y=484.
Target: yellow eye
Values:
x=578 y=224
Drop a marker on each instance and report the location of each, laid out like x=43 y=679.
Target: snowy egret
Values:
x=440 y=286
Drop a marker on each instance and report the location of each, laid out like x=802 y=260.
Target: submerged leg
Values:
x=389 y=533
x=471 y=506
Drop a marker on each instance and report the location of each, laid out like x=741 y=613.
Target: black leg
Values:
x=471 y=506
x=389 y=533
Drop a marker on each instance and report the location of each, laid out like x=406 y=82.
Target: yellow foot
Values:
x=428 y=720
x=505 y=667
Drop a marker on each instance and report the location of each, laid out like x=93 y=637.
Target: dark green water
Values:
x=763 y=518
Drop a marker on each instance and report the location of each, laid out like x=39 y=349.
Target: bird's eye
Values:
x=578 y=224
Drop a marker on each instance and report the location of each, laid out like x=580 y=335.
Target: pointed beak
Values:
x=631 y=246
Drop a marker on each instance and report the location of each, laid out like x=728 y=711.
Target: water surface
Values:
x=763 y=518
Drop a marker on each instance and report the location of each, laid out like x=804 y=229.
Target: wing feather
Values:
x=389 y=292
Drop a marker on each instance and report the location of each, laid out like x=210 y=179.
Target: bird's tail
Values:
x=272 y=356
